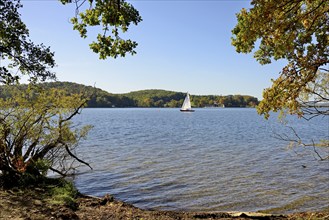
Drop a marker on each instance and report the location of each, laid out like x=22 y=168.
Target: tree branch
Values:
x=57 y=171
x=75 y=157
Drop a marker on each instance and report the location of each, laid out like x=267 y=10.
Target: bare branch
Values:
x=296 y=141
x=57 y=171
x=75 y=157
x=76 y=112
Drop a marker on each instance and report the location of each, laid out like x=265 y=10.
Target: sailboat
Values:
x=186 y=107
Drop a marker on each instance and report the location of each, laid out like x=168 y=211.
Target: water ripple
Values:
x=211 y=160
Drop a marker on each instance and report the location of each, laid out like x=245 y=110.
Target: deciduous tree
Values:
x=36 y=132
x=21 y=55
x=298 y=32
x=294 y=30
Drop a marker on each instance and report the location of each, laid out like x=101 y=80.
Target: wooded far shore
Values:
x=99 y=98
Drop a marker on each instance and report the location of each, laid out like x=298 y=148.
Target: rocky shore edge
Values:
x=19 y=204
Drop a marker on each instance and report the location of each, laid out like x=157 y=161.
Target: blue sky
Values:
x=183 y=46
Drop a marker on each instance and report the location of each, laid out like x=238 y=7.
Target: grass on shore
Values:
x=56 y=191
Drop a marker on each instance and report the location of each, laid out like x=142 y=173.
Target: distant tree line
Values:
x=145 y=98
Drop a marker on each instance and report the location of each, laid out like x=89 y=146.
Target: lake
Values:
x=215 y=159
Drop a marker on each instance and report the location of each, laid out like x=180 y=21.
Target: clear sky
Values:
x=182 y=46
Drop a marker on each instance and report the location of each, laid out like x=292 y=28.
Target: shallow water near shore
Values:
x=211 y=160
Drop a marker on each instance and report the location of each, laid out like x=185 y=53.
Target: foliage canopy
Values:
x=294 y=30
x=23 y=57
x=114 y=17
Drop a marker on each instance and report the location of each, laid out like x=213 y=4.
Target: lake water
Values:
x=209 y=160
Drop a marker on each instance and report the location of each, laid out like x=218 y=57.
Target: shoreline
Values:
x=35 y=203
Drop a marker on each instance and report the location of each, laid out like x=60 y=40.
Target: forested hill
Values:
x=143 y=98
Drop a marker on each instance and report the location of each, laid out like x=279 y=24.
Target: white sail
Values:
x=187 y=103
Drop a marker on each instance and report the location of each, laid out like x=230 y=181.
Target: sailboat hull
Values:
x=187 y=110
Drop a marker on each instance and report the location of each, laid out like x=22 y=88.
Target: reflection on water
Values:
x=209 y=160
